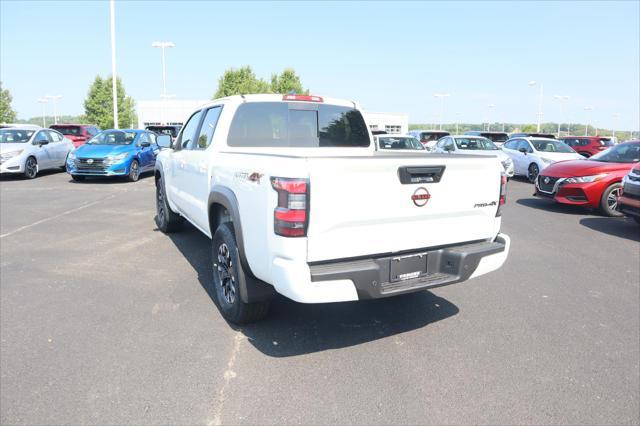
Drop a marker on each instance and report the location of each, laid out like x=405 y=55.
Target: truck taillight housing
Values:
x=290 y=217
x=503 y=193
x=306 y=98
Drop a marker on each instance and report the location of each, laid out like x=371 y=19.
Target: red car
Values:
x=588 y=145
x=593 y=182
x=77 y=133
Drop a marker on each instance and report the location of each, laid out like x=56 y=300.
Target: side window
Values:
x=55 y=136
x=524 y=144
x=188 y=132
x=144 y=137
x=510 y=145
x=448 y=144
x=41 y=137
x=207 y=129
x=152 y=137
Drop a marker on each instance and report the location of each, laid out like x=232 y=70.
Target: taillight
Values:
x=290 y=217
x=503 y=193
x=307 y=98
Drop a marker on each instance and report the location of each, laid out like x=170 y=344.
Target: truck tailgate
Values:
x=359 y=206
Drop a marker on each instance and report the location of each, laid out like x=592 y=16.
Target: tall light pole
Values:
x=540 y=95
x=616 y=117
x=43 y=101
x=441 y=96
x=114 y=76
x=163 y=45
x=562 y=99
x=489 y=107
x=458 y=114
x=54 y=98
x=586 y=129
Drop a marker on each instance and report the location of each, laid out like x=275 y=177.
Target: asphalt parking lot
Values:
x=105 y=320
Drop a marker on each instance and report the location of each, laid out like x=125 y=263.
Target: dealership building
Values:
x=177 y=111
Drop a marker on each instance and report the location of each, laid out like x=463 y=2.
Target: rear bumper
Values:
x=370 y=278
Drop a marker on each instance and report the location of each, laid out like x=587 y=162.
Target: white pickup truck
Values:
x=296 y=200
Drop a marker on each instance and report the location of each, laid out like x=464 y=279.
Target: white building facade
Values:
x=166 y=111
x=388 y=122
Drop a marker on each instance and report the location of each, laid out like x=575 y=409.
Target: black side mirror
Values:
x=145 y=144
x=164 y=141
x=43 y=143
x=523 y=150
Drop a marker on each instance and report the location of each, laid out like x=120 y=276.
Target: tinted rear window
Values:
x=606 y=142
x=432 y=136
x=282 y=124
x=68 y=130
x=496 y=137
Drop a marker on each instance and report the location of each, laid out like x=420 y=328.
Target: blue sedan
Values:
x=114 y=153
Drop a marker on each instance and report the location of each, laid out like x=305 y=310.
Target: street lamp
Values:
x=163 y=45
x=458 y=114
x=616 y=117
x=533 y=83
x=561 y=98
x=586 y=129
x=54 y=98
x=441 y=96
x=490 y=107
x=43 y=101
x=114 y=90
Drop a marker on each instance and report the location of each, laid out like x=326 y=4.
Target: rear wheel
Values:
x=228 y=277
x=166 y=219
x=533 y=172
x=609 y=200
x=134 y=171
x=30 y=168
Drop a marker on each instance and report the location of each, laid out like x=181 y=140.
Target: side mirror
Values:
x=42 y=143
x=523 y=150
x=145 y=144
x=164 y=141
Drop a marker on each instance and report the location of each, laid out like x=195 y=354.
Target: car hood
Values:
x=559 y=156
x=583 y=168
x=99 y=151
x=501 y=155
x=10 y=147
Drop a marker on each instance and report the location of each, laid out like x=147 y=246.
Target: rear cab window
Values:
x=297 y=124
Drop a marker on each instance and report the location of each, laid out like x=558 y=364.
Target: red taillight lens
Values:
x=291 y=214
x=307 y=98
x=503 y=193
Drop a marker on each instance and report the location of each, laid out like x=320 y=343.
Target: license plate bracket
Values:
x=408 y=267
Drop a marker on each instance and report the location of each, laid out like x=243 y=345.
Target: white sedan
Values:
x=531 y=155
x=25 y=150
x=475 y=145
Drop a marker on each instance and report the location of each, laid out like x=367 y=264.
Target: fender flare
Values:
x=252 y=289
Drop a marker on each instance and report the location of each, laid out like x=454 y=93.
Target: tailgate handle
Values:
x=418 y=174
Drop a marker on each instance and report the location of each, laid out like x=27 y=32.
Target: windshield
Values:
x=15 y=135
x=476 y=144
x=164 y=130
x=68 y=130
x=547 y=145
x=113 y=137
x=624 y=153
x=432 y=136
x=399 y=142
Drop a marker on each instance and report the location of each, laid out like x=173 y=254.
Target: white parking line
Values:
x=84 y=206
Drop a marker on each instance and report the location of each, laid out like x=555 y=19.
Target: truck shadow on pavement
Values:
x=616 y=226
x=293 y=328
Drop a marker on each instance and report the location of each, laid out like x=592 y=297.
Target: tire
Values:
x=30 y=168
x=609 y=200
x=585 y=154
x=166 y=220
x=532 y=172
x=77 y=178
x=134 y=171
x=229 y=279
x=64 y=165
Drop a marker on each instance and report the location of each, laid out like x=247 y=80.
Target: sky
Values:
x=388 y=56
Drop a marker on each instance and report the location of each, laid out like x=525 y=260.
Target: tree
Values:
x=287 y=82
x=7 y=114
x=98 y=106
x=240 y=82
